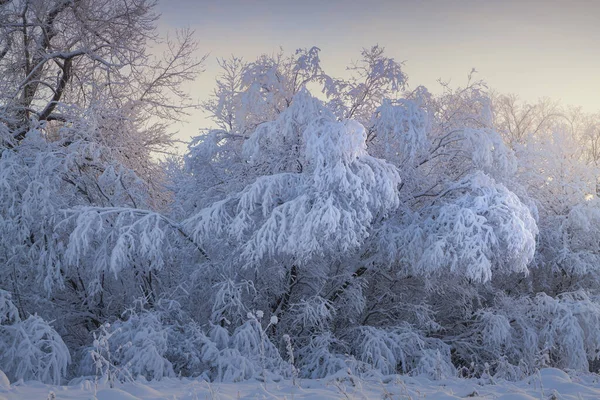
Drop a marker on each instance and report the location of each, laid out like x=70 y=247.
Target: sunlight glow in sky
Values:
x=533 y=48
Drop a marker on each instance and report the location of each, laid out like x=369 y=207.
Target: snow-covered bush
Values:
x=323 y=355
x=244 y=354
x=403 y=349
x=518 y=336
x=142 y=341
x=132 y=347
x=30 y=349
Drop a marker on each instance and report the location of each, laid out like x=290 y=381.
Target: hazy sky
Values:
x=543 y=48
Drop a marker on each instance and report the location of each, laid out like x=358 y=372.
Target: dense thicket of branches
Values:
x=322 y=224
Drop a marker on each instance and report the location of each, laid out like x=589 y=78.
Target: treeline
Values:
x=378 y=228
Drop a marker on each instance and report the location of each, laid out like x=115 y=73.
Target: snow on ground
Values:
x=547 y=384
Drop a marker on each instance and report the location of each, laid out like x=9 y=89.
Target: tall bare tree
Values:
x=59 y=58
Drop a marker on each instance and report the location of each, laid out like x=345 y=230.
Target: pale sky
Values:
x=533 y=48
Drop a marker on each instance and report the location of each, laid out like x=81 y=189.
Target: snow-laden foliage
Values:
x=555 y=172
x=405 y=348
x=249 y=94
x=402 y=131
x=30 y=349
x=8 y=312
x=571 y=242
x=47 y=186
x=134 y=347
x=362 y=230
x=318 y=270
x=478 y=228
x=462 y=227
x=335 y=197
x=519 y=335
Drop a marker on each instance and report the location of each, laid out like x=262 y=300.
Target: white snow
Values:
x=549 y=383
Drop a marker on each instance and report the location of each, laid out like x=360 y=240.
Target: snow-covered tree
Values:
x=303 y=240
x=84 y=108
x=62 y=60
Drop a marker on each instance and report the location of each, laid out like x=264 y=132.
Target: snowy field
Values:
x=547 y=384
